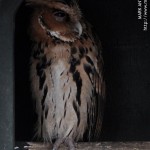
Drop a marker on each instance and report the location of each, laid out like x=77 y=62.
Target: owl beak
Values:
x=78 y=29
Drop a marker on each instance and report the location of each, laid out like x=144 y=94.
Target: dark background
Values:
x=126 y=53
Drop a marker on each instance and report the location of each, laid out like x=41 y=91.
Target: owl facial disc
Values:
x=77 y=30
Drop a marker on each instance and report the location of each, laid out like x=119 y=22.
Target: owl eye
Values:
x=60 y=15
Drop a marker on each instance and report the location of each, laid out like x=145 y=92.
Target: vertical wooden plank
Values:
x=7 y=13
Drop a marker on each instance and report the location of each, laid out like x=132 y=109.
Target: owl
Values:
x=66 y=72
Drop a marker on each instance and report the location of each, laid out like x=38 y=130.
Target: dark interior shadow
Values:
x=24 y=114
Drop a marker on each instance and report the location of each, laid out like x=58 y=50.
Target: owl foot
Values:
x=57 y=143
x=70 y=143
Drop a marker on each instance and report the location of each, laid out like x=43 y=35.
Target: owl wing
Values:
x=95 y=112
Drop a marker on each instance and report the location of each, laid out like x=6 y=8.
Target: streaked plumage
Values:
x=66 y=73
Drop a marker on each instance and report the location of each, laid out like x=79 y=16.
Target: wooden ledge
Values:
x=87 y=146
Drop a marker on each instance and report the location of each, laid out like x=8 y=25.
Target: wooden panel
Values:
x=88 y=146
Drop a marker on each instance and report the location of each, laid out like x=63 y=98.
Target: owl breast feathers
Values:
x=66 y=73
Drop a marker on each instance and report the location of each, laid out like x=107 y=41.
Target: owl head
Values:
x=56 y=18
